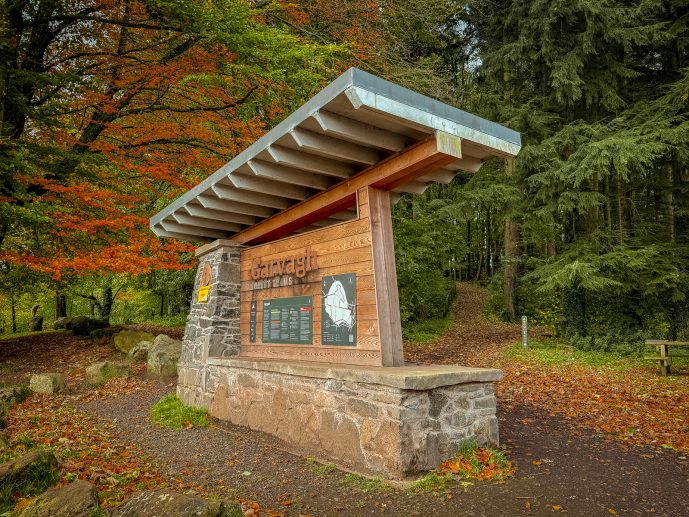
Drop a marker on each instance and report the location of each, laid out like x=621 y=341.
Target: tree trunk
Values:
x=620 y=208
x=608 y=205
x=60 y=305
x=162 y=304
x=108 y=299
x=669 y=204
x=14 y=314
x=511 y=258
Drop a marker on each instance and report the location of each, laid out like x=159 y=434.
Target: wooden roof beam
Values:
x=212 y=202
x=422 y=158
x=204 y=223
x=332 y=147
x=254 y=198
x=219 y=215
x=310 y=162
x=289 y=175
x=359 y=132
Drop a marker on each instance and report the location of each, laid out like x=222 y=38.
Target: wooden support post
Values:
x=385 y=273
x=665 y=360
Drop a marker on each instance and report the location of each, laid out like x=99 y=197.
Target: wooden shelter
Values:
x=324 y=179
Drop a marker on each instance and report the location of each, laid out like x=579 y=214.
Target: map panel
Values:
x=338 y=316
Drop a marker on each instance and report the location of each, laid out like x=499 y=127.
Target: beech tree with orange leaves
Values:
x=110 y=108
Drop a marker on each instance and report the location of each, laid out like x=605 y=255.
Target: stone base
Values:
x=393 y=422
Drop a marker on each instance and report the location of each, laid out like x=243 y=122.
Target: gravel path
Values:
x=559 y=470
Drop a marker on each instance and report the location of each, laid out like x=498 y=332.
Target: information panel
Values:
x=252 y=321
x=288 y=320
x=338 y=316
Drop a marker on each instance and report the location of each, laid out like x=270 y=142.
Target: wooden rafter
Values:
x=418 y=160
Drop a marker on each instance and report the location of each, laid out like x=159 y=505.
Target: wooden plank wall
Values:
x=341 y=248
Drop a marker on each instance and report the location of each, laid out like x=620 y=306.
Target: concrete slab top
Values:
x=404 y=377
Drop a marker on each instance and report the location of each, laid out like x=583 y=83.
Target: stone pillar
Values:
x=212 y=328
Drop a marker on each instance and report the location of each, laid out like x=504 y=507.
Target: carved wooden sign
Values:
x=316 y=296
x=204 y=283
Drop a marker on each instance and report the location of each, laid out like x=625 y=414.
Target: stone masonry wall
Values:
x=212 y=328
x=363 y=426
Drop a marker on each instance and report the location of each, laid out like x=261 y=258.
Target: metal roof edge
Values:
x=417 y=100
x=353 y=77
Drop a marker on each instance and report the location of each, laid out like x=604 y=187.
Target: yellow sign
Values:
x=203 y=293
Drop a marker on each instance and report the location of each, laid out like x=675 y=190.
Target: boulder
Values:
x=78 y=499
x=36 y=324
x=98 y=373
x=160 y=503
x=12 y=395
x=48 y=383
x=61 y=323
x=83 y=325
x=163 y=356
x=140 y=351
x=126 y=340
x=35 y=465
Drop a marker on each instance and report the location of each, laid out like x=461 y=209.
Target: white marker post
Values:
x=525 y=332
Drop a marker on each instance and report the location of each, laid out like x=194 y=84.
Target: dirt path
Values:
x=558 y=470
x=472 y=340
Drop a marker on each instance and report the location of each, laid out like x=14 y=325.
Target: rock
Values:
x=12 y=395
x=61 y=323
x=78 y=499
x=34 y=465
x=140 y=351
x=48 y=383
x=83 y=325
x=163 y=356
x=98 y=373
x=104 y=335
x=163 y=503
x=126 y=340
x=36 y=324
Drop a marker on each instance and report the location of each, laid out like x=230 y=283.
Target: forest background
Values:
x=110 y=109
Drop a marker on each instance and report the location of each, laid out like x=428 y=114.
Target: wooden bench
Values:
x=664 y=356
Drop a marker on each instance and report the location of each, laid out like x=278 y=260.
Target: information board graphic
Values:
x=288 y=321
x=252 y=321
x=338 y=317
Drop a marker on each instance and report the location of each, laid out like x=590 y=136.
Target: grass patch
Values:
x=551 y=351
x=425 y=331
x=321 y=468
x=170 y=412
x=29 y=333
x=365 y=484
x=31 y=481
x=432 y=482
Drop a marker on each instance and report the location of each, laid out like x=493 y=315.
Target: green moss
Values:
x=432 y=482
x=170 y=412
x=365 y=484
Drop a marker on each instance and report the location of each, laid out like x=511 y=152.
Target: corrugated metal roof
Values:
x=353 y=123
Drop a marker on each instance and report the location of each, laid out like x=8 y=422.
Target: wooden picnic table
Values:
x=664 y=347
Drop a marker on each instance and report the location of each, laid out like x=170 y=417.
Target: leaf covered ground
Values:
x=624 y=398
